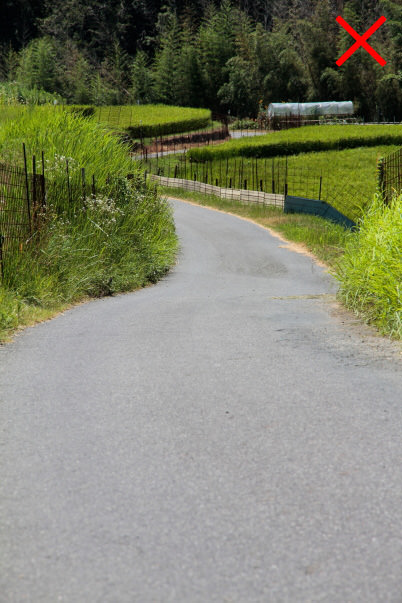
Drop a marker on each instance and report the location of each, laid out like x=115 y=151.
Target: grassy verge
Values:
x=122 y=239
x=370 y=271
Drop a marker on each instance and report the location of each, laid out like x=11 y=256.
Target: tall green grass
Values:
x=62 y=134
x=370 y=271
x=121 y=239
x=11 y=112
x=303 y=140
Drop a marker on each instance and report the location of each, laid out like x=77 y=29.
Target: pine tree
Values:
x=37 y=65
x=166 y=60
x=141 y=79
x=216 y=41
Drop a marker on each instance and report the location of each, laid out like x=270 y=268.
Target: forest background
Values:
x=229 y=56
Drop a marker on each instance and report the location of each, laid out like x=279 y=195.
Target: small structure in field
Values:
x=290 y=115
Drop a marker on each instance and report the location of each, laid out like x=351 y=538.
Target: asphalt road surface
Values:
x=224 y=435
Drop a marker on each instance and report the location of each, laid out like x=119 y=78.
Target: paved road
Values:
x=218 y=437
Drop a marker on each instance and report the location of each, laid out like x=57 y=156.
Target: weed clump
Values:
x=370 y=271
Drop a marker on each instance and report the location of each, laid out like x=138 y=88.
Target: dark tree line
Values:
x=228 y=55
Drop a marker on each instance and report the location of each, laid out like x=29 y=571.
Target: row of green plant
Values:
x=345 y=179
x=121 y=238
x=303 y=140
x=142 y=121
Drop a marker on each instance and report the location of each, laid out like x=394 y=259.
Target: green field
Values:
x=11 y=112
x=348 y=177
x=140 y=121
x=153 y=120
x=303 y=140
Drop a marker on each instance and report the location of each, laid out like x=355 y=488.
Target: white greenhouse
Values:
x=310 y=109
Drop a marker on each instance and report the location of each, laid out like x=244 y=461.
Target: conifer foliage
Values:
x=228 y=55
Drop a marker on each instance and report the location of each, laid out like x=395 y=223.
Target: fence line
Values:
x=24 y=195
x=390 y=175
x=172 y=143
x=274 y=177
x=244 y=195
x=14 y=204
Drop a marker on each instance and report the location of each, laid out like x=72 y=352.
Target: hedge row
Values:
x=303 y=140
x=176 y=127
x=145 y=121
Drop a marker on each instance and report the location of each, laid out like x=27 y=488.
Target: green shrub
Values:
x=370 y=272
x=12 y=93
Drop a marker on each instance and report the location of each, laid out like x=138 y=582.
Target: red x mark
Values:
x=361 y=41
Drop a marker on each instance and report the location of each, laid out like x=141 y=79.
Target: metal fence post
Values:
x=27 y=187
x=381 y=179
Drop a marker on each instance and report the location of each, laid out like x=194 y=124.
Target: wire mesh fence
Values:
x=273 y=176
x=390 y=175
x=15 y=210
x=165 y=144
x=26 y=194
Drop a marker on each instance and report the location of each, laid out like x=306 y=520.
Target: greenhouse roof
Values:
x=322 y=108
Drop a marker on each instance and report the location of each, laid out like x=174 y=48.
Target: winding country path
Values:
x=221 y=436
